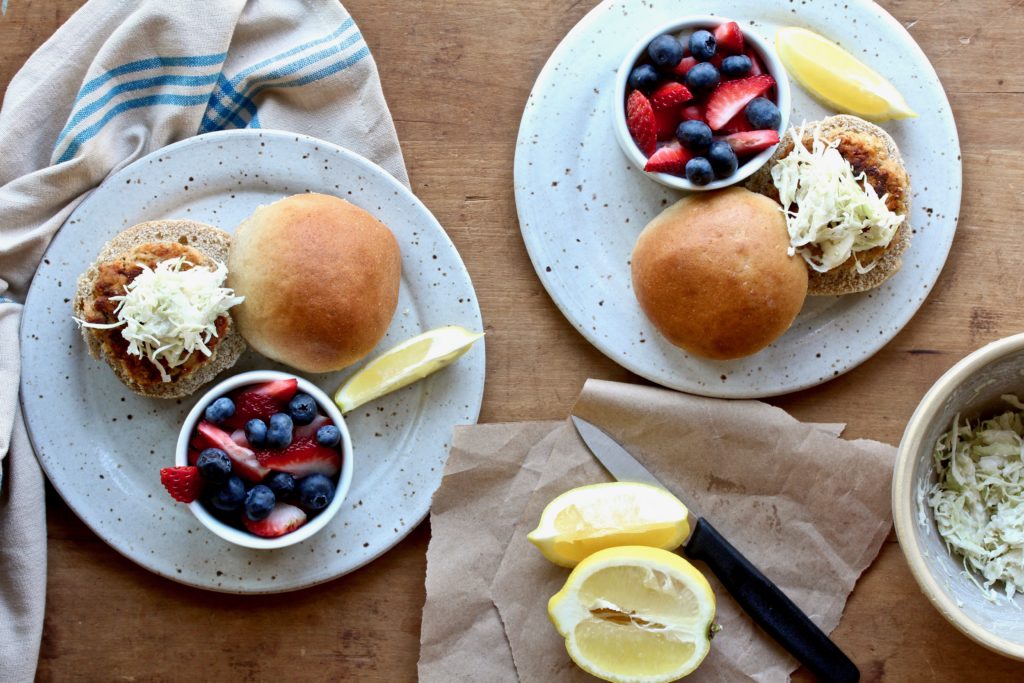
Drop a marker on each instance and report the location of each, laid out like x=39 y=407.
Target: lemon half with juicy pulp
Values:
x=635 y=614
x=584 y=520
x=838 y=78
x=408 y=362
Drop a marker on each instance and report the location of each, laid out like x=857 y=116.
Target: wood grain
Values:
x=456 y=75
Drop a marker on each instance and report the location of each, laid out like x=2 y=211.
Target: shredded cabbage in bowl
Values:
x=978 y=500
x=837 y=214
x=169 y=313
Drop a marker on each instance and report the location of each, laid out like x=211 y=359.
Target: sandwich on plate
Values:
x=154 y=306
x=846 y=197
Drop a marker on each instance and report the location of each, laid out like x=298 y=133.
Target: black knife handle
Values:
x=770 y=608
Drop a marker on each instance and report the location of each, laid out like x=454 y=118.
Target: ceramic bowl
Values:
x=972 y=389
x=682 y=28
x=239 y=536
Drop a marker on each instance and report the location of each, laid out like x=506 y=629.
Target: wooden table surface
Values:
x=456 y=74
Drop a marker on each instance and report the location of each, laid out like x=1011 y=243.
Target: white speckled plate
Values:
x=582 y=204
x=102 y=445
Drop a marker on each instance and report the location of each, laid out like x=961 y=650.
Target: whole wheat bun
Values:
x=320 y=279
x=872 y=151
x=712 y=273
x=208 y=240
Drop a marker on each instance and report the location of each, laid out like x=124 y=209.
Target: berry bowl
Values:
x=971 y=389
x=690 y=93
x=261 y=487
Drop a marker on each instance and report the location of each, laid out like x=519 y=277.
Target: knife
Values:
x=756 y=594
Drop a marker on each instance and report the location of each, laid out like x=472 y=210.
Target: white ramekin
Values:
x=687 y=25
x=244 y=538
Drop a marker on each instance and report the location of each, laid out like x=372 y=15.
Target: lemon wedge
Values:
x=586 y=519
x=635 y=614
x=838 y=78
x=401 y=365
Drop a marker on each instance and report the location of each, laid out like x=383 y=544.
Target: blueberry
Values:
x=281 y=483
x=736 y=66
x=695 y=135
x=220 y=410
x=315 y=492
x=643 y=77
x=214 y=465
x=329 y=436
x=230 y=495
x=763 y=114
x=699 y=171
x=702 y=77
x=702 y=45
x=665 y=51
x=259 y=502
x=256 y=433
x=723 y=160
x=302 y=408
x=279 y=433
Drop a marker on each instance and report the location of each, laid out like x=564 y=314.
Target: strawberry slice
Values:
x=243 y=460
x=238 y=436
x=737 y=124
x=745 y=144
x=669 y=159
x=282 y=519
x=757 y=68
x=731 y=97
x=670 y=96
x=684 y=65
x=692 y=112
x=667 y=121
x=641 y=123
x=309 y=431
x=183 y=483
x=729 y=38
x=262 y=401
x=303 y=457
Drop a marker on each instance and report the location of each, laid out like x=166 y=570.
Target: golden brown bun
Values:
x=712 y=273
x=320 y=280
x=212 y=244
x=870 y=150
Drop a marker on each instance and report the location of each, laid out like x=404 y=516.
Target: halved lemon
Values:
x=584 y=520
x=635 y=615
x=401 y=365
x=838 y=78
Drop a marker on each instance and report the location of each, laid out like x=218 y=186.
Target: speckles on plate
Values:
x=412 y=427
x=562 y=225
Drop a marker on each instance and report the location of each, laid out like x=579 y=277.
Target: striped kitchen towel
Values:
x=117 y=81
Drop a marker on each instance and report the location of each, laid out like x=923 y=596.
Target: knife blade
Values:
x=766 y=604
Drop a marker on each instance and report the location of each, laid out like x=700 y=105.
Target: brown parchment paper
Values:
x=809 y=509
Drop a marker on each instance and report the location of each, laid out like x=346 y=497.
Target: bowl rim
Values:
x=772 y=63
x=904 y=519
x=244 y=538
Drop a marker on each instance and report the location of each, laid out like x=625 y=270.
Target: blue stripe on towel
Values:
x=150 y=63
x=141 y=84
x=345 y=25
x=317 y=75
x=240 y=99
x=211 y=124
x=214 y=104
x=88 y=133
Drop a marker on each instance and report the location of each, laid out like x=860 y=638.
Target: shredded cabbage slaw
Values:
x=978 y=500
x=837 y=214
x=168 y=313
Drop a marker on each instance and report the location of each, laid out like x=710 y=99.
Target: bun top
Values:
x=712 y=273
x=320 y=278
